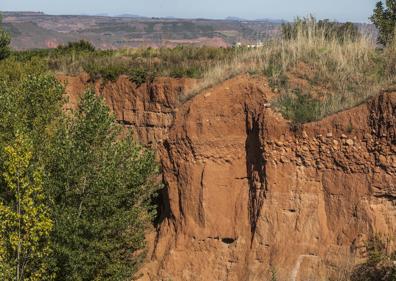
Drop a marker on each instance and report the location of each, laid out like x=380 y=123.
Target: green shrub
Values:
x=275 y=72
x=380 y=265
x=182 y=71
x=298 y=107
x=5 y=41
x=25 y=56
x=139 y=76
x=14 y=71
x=107 y=70
x=78 y=46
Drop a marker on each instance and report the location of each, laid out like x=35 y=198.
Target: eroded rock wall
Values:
x=149 y=109
x=248 y=194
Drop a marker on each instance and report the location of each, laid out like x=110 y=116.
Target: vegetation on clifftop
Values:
x=75 y=193
x=141 y=65
x=333 y=66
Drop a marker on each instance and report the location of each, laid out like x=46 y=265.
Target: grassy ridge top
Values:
x=140 y=64
x=315 y=74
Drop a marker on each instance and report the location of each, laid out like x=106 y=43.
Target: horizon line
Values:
x=137 y=16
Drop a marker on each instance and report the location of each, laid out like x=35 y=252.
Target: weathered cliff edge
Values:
x=246 y=193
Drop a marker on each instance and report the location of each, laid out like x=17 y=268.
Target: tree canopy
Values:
x=75 y=190
x=384 y=18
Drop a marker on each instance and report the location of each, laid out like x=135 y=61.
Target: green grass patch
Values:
x=299 y=107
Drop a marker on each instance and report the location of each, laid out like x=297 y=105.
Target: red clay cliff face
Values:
x=245 y=194
x=148 y=109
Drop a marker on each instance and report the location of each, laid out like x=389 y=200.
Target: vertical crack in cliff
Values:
x=201 y=212
x=255 y=165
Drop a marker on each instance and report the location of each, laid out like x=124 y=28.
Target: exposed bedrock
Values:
x=246 y=195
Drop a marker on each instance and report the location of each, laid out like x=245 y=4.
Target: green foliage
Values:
x=328 y=29
x=79 y=46
x=13 y=71
x=275 y=72
x=139 y=76
x=25 y=222
x=101 y=187
x=299 y=107
x=28 y=55
x=385 y=20
x=98 y=184
x=380 y=265
x=388 y=61
x=5 y=41
x=110 y=71
x=141 y=65
x=29 y=105
x=328 y=61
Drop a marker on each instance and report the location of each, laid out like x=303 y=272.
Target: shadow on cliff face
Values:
x=255 y=166
x=162 y=200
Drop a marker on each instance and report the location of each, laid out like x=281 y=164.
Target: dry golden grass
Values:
x=341 y=73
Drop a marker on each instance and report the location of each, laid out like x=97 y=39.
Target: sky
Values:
x=341 y=10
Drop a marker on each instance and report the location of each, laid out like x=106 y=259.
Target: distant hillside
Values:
x=38 y=30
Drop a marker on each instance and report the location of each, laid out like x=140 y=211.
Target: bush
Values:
x=25 y=56
x=299 y=107
x=78 y=46
x=139 y=76
x=13 y=71
x=385 y=21
x=108 y=70
x=5 y=41
x=380 y=266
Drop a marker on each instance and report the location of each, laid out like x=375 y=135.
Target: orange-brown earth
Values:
x=247 y=193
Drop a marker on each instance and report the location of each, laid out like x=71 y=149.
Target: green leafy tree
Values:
x=385 y=20
x=5 y=41
x=101 y=185
x=98 y=183
x=25 y=222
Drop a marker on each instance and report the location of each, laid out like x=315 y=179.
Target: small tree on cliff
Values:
x=5 y=41
x=385 y=20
